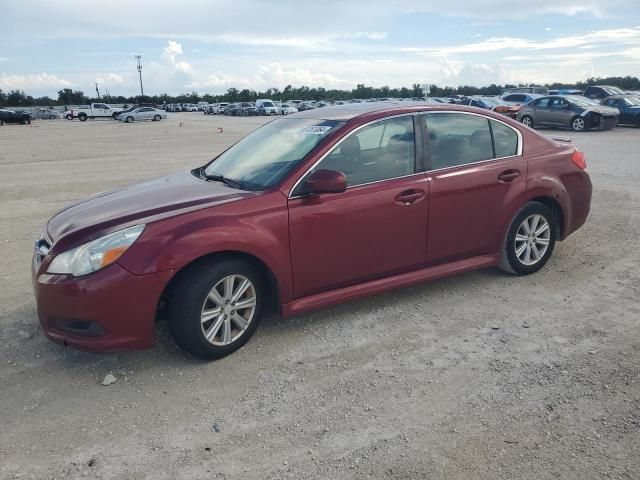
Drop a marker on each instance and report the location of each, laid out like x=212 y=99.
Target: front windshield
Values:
x=264 y=157
x=582 y=101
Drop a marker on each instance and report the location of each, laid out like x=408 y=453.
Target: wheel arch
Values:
x=558 y=213
x=267 y=275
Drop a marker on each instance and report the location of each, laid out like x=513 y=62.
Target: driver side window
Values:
x=380 y=151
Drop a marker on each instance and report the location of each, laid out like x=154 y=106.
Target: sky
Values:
x=210 y=46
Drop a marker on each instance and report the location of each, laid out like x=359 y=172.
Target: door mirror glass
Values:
x=326 y=181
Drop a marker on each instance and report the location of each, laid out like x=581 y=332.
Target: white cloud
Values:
x=110 y=79
x=32 y=81
x=172 y=49
x=170 y=52
x=505 y=43
x=272 y=75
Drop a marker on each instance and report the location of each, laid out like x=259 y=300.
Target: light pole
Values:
x=138 y=57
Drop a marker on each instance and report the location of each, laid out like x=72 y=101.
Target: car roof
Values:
x=349 y=111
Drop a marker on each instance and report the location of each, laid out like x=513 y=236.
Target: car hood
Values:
x=141 y=203
x=602 y=110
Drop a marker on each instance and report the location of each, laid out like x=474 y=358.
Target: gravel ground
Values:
x=480 y=376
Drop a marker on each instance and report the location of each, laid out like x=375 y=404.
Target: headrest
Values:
x=350 y=146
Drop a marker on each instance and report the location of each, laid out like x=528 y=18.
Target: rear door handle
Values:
x=409 y=196
x=508 y=176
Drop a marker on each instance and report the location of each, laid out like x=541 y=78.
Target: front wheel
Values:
x=52 y=117
x=69 y=116
x=129 y=119
x=215 y=307
x=156 y=118
x=527 y=121
x=530 y=239
x=82 y=117
x=578 y=124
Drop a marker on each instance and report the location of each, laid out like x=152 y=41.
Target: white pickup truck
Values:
x=95 y=110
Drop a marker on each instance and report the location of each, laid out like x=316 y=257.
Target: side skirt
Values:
x=361 y=290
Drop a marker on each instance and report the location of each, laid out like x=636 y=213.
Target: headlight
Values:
x=96 y=254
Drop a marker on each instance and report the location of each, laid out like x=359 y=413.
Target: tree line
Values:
x=67 y=96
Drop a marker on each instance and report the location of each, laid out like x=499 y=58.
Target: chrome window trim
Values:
x=417 y=113
x=290 y=197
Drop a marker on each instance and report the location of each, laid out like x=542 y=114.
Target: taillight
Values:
x=578 y=159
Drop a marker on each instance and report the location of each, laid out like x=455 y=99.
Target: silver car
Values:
x=143 y=113
x=577 y=113
x=44 y=113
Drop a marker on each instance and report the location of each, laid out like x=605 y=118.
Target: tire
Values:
x=1 y=123
x=114 y=115
x=578 y=124
x=191 y=296
x=52 y=117
x=129 y=119
x=527 y=121
x=517 y=242
x=156 y=118
x=69 y=117
x=82 y=117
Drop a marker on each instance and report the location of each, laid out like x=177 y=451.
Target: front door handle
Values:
x=409 y=196
x=508 y=176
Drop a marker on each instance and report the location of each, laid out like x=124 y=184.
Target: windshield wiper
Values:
x=227 y=181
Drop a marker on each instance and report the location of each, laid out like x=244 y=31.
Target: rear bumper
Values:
x=109 y=310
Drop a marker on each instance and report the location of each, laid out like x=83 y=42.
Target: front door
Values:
x=475 y=168
x=377 y=227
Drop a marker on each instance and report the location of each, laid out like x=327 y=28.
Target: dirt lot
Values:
x=481 y=376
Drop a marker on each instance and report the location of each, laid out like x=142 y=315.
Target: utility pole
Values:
x=138 y=57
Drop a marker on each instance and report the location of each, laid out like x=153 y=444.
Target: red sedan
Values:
x=316 y=208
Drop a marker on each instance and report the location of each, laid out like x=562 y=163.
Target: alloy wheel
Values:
x=228 y=310
x=526 y=121
x=578 y=124
x=532 y=239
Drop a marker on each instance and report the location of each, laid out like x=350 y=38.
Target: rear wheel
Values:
x=129 y=119
x=527 y=121
x=216 y=306
x=578 y=124
x=530 y=239
x=52 y=117
x=156 y=118
x=69 y=116
x=82 y=117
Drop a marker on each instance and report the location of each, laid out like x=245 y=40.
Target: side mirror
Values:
x=326 y=181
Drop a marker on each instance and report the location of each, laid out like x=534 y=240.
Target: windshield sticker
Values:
x=315 y=129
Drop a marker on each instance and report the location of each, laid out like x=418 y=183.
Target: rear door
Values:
x=378 y=226
x=475 y=166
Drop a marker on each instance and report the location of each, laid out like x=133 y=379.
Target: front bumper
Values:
x=108 y=310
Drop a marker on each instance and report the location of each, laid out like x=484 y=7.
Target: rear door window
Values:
x=458 y=139
x=505 y=140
